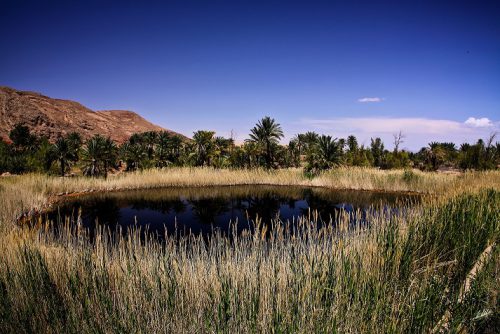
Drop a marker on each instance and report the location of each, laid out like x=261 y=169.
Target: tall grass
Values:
x=33 y=192
x=404 y=273
x=433 y=267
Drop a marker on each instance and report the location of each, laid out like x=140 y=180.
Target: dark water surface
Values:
x=203 y=210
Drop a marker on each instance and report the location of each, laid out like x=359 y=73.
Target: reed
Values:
x=403 y=273
x=400 y=275
x=34 y=192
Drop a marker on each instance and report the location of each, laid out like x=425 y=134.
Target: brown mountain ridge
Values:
x=55 y=117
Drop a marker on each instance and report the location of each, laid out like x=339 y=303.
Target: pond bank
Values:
x=33 y=193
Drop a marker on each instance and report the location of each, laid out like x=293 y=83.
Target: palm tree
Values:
x=176 y=145
x=266 y=132
x=133 y=154
x=352 y=143
x=251 y=151
x=75 y=142
x=204 y=141
x=300 y=141
x=163 y=149
x=377 y=150
x=222 y=148
x=149 y=140
x=63 y=153
x=109 y=154
x=311 y=139
x=294 y=152
x=93 y=153
x=435 y=155
x=328 y=152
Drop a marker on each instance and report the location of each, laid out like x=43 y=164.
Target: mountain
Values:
x=55 y=117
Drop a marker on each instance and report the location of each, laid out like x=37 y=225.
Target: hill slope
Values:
x=56 y=117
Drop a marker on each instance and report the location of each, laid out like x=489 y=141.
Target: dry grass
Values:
x=33 y=192
x=400 y=275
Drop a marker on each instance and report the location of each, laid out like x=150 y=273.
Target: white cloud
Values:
x=370 y=99
x=387 y=125
x=479 y=122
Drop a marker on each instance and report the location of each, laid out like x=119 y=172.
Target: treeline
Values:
x=99 y=155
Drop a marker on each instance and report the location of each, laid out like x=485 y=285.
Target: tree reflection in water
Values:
x=201 y=210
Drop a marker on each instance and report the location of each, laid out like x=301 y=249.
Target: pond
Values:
x=203 y=210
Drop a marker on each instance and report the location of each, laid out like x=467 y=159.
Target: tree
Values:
x=266 y=132
x=204 y=141
x=44 y=157
x=109 y=154
x=490 y=153
x=479 y=156
x=222 y=149
x=311 y=138
x=435 y=155
x=325 y=155
x=75 y=142
x=300 y=141
x=149 y=141
x=398 y=140
x=377 y=149
x=352 y=144
x=176 y=143
x=6 y=157
x=400 y=159
x=64 y=153
x=21 y=137
x=294 y=152
x=133 y=155
x=328 y=151
x=252 y=153
x=163 y=149
x=93 y=153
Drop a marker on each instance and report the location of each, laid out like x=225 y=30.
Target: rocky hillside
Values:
x=55 y=117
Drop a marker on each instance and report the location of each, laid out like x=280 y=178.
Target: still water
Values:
x=203 y=210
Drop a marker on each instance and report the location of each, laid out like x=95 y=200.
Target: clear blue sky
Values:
x=428 y=68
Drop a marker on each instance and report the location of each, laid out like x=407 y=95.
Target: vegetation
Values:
x=313 y=152
x=267 y=133
x=431 y=267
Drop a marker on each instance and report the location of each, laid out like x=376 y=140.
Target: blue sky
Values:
x=428 y=68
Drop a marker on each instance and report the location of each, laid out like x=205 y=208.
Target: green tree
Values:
x=93 y=153
x=44 y=157
x=266 y=133
x=5 y=157
x=75 y=142
x=204 y=146
x=163 y=149
x=149 y=141
x=294 y=152
x=252 y=153
x=22 y=138
x=109 y=154
x=352 y=144
x=133 y=154
x=176 y=143
x=222 y=150
x=63 y=153
x=377 y=149
x=301 y=142
x=311 y=140
x=326 y=155
x=435 y=155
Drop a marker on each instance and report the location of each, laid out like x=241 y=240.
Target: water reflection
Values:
x=201 y=210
